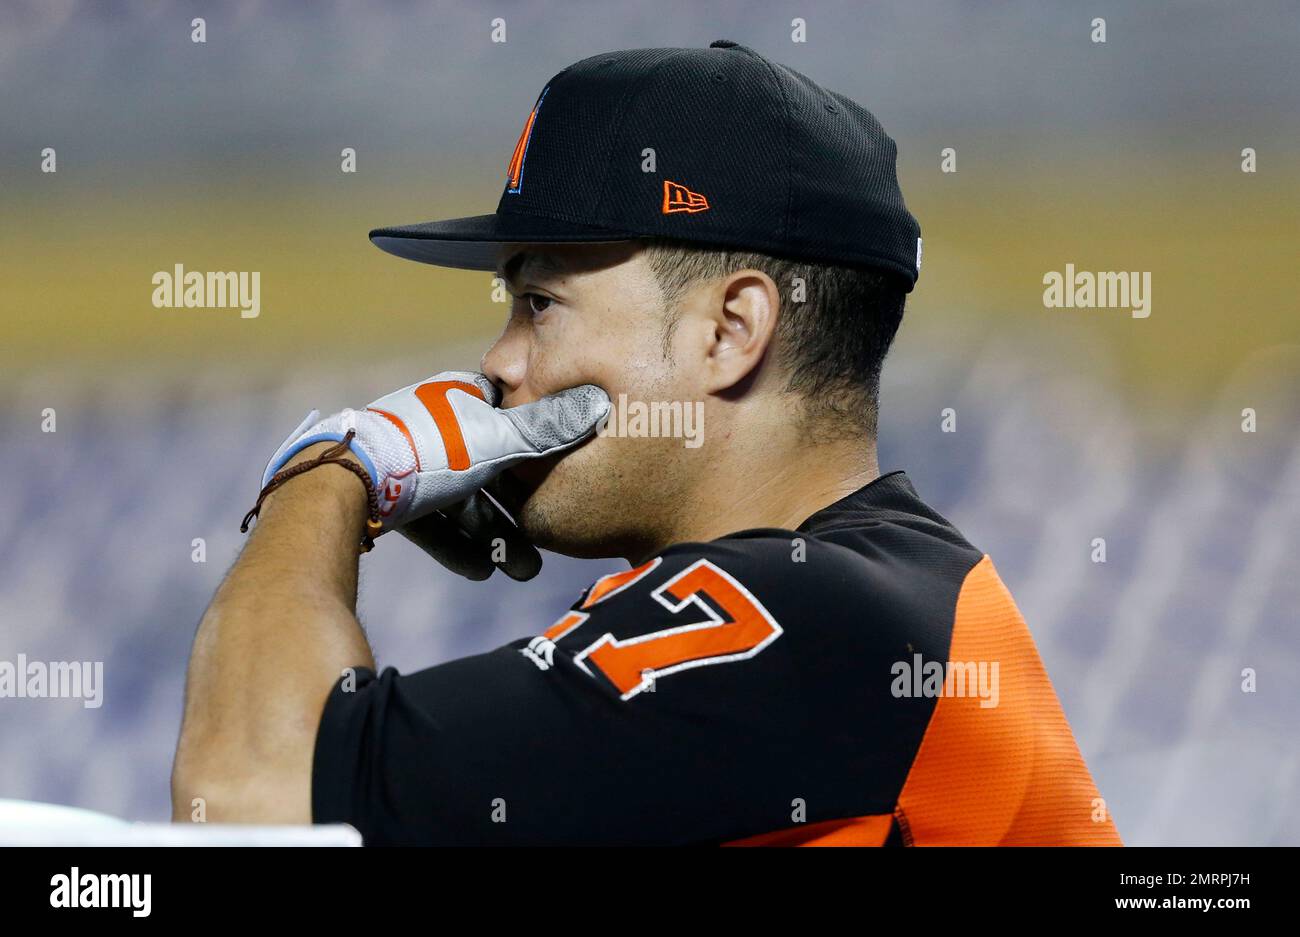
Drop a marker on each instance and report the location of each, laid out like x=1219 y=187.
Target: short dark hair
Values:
x=832 y=334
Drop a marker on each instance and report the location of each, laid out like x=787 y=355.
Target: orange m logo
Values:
x=515 y=171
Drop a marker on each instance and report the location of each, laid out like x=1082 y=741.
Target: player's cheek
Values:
x=563 y=359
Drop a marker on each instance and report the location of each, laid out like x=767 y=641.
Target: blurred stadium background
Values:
x=1071 y=424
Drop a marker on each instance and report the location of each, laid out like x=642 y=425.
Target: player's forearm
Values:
x=269 y=648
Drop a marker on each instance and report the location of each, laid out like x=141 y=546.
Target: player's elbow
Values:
x=219 y=786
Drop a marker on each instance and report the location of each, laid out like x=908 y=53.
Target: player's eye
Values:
x=537 y=302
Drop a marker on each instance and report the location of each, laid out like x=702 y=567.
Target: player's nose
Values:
x=506 y=365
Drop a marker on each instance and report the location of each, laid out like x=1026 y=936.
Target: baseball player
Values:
x=801 y=650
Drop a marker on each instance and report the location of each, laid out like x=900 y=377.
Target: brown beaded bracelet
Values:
x=331 y=456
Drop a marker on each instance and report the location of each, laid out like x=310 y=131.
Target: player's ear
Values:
x=743 y=317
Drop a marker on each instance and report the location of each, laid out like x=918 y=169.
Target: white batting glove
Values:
x=432 y=445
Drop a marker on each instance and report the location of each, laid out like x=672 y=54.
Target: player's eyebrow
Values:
x=521 y=260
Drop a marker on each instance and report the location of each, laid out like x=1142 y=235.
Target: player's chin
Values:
x=523 y=487
x=556 y=532
x=512 y=489
x=553 y=507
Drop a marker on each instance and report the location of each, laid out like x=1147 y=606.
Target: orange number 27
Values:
x=742 y=630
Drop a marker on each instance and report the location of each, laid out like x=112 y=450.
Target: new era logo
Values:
x=679 y=198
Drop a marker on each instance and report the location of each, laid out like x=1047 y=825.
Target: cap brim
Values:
x=473 y=243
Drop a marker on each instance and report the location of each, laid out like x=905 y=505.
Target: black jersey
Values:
x=865 y=679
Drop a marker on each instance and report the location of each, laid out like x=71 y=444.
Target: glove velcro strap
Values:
x=331 y=456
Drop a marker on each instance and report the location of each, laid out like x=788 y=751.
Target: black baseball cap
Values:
x=715 y=146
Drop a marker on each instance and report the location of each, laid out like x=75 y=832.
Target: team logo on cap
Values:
x=679 y=198
x=515 y=171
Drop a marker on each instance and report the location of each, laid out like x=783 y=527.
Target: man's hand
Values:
x=282 y=628
x=430 y=448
